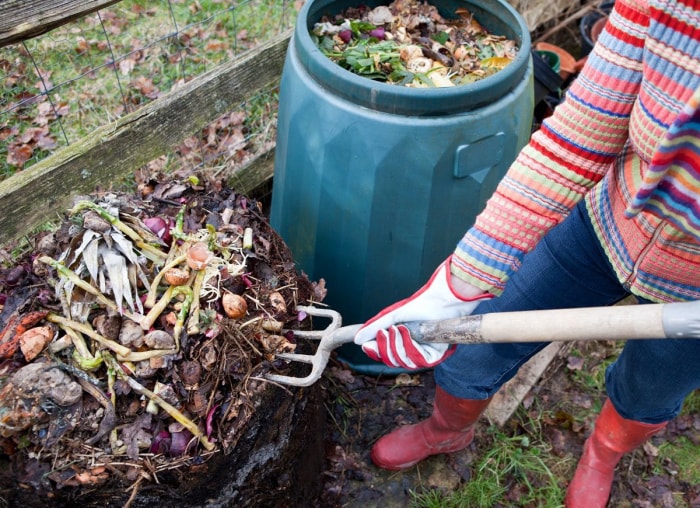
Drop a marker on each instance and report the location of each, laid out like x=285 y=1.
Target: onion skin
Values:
x=378 y=33
x=198 y=256
x=161 y=442
x=176 y=276
x=160 y=227
x=235 y=306
x=277 y=302
x=179 y=442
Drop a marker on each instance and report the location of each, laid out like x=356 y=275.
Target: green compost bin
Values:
x=374 y=183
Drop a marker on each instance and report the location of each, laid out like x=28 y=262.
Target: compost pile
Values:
x=409 y=43
x=136 y=336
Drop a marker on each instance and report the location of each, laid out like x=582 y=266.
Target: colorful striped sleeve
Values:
x=670 y=185
x=564 y=159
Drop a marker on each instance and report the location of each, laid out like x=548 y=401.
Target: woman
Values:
x=602 y=203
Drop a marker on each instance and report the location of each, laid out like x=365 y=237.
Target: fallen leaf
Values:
x=575 y=363
x=81 y=46
x=650 y=449
x=135 y=435
x=6 y=132
x=126 y=66
x=215 y=45
x=405 y=379
x=146 y=87
x=46 y=142
x=18 y=154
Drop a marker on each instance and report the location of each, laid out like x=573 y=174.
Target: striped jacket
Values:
x=627 y=140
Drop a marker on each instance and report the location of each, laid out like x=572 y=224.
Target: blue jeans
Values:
x=649 y=380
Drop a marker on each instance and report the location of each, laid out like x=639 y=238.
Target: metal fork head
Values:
x=319 y=359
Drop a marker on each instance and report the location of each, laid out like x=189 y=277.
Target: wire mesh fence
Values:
x=61 y=86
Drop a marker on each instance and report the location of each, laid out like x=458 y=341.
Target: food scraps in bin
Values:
x=408 y=43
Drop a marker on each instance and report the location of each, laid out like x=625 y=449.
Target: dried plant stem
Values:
x=82 y=354
x=567 y=21
x=168 y=408
x=69 y=274
x=79 y=343
x=157 y=309
x=160 y=306
x=248 y=238
x=193 y=321
x=178 y=231
x=111 y=378
x=87 y=330
x=123 y=353
x=184 y=311
x=153 y=253
x=137 y=356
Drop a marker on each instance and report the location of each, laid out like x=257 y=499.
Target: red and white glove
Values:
x=382 y=339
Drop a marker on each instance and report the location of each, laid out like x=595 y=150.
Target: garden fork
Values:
x=620 y=322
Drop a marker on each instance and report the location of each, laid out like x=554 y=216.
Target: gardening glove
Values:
x=382 y=339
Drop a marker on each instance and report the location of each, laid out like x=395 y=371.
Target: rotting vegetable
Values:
x=408 y=43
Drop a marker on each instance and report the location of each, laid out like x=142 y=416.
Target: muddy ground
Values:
x=361 y=409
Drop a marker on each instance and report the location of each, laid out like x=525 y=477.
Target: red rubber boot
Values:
x=612 y=437
x=450 y=428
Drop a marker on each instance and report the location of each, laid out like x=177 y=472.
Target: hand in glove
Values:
x=384 y=340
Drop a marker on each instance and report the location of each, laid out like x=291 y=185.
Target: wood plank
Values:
x=250 y=177
x=511 y=394
x=34 y=195
x=24 y=19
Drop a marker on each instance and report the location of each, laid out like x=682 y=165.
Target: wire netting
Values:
x=61 y=86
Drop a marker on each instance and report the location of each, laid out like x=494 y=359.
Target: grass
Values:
x=61 y=86
x=691 y=405
x=591 y=376
x=682 y=453
x=517 y=469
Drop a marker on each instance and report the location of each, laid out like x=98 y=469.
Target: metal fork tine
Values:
x=296 y=357
x=293 y=381
x=318 y=334
x=319 y=359
x=308 y=334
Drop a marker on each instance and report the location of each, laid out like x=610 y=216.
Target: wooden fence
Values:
x=34 y=195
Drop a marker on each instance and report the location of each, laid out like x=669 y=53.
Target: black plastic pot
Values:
x=587 y=24
x=547 y=78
